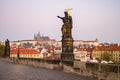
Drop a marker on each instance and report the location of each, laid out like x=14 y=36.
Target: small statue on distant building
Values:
x=67 y=26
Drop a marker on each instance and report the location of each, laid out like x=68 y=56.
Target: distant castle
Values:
x=38 y=36
x=45 y=40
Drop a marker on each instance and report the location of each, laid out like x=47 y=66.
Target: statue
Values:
x=67 y=56
x=7 y=48
x=67 y=25
x=67 y=40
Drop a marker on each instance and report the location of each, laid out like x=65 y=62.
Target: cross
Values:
x=68 y=10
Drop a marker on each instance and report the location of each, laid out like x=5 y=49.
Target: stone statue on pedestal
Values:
x=67 y=40
x=7 y=48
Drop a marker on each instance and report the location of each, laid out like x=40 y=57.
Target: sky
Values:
x=20 y=19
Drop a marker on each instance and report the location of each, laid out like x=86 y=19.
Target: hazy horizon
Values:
x=20 y=19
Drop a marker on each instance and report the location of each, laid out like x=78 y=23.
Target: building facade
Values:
x=82 y=43
x=108 y=53
x=82 y=54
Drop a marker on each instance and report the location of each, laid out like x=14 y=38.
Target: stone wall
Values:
x=100 y=71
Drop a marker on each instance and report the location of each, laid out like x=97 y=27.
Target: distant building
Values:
x=2 y=43
x=38 y=36
x=81 y=43
x=107 y=53
x=38 y=42
x=82 y=54
x=25 y=53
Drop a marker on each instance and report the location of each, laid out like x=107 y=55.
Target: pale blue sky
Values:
x=20 y=19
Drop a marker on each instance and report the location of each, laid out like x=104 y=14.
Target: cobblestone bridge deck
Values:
x=11 y=71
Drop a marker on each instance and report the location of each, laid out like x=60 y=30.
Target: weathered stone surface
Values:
x=9 y=71
x=100 y=71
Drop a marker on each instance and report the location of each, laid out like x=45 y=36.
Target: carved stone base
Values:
x=67 y=45
x=67 y=58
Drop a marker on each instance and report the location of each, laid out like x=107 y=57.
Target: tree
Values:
x=106 y=56
x=2 y=49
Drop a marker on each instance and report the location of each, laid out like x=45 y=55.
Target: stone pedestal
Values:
x=67 y=45
x=67 y=58
x=67 y=55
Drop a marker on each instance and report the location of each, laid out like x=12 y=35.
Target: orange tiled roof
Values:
x=110 y=48
x=24 y=51
x=85 y=49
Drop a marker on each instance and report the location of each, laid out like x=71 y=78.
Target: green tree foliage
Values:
x=2 y=49
x=106 y=56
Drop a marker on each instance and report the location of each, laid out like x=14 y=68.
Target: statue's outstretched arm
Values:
x=60 y=17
